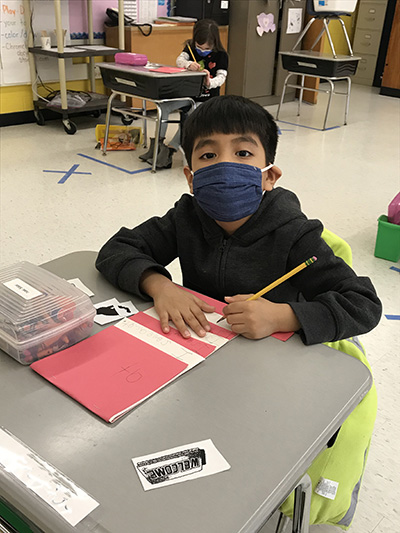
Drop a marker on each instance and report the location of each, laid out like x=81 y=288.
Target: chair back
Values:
x=339 y=246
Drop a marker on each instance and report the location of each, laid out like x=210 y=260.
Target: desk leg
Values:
x=301 y=94
x=302 y=503
x=144 y=113
x=108 y=120
x=156 y=139
x=329 y=100
x=346 y=109
x=283 y=95
x=282 y=523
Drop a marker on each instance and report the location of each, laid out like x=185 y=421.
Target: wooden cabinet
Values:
x=367 y=38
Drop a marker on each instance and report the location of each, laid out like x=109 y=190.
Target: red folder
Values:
x=110 y=372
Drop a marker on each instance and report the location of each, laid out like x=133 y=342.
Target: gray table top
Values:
x=268 y=406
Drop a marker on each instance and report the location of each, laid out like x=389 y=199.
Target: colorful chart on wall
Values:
x=14 y=65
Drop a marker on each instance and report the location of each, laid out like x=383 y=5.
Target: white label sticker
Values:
x=327 y=488
x=224 y=4
x=22 y=289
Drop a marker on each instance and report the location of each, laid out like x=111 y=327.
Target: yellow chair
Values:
x=344 y=461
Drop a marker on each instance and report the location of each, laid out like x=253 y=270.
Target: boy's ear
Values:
x=189 y=177
x=270 y=177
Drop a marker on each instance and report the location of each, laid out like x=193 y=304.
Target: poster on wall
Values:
x=13 y=51
x=14 y=63
x=295 y=18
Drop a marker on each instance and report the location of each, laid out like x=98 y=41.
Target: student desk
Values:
x=150 y=86
x=269 y=407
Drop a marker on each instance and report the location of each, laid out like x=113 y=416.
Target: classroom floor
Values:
x=345 y=176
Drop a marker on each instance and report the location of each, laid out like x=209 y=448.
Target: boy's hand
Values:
x=173 y=303
x=258 y=318
x=194 y=66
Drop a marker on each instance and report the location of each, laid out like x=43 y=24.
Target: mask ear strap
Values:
x=267 y=168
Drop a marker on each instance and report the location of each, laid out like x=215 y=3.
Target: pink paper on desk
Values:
x=283 y=336
x=167 y=70
x=110 y=372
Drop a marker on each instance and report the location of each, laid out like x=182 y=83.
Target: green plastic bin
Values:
x=387 y=244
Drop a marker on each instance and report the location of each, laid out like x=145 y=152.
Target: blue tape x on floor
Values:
x=137 y=171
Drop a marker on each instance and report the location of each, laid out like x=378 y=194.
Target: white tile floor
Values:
x=345 y=176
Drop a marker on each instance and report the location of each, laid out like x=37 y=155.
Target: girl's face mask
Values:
x=202 y=53
x=228 y=191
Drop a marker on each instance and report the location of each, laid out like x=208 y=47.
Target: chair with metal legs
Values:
x=318 y=64
x=132 y=112
x=301 y=509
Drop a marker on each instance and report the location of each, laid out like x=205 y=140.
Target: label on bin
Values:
x=22 y=289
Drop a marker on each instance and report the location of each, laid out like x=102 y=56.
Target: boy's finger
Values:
x=164 y=322
x=192 y=321
x=207 y=308
x=180 y=324
x=237 y=298
x=201 y=318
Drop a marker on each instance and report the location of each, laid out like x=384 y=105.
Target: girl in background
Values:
x=203 y=52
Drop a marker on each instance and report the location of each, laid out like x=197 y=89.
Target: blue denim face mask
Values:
x=203 y=53
x=228 y=191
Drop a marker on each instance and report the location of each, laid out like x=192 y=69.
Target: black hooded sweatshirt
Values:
x=330 y=301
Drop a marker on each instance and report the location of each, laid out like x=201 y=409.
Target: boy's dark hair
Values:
x=206 y=31
x=230 y=114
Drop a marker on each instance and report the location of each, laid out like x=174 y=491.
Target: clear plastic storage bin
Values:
x=40 y=313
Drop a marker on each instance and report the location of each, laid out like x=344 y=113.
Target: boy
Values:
x=234 y=236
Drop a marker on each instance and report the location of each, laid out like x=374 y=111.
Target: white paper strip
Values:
x=159 y=341
x=209 y=338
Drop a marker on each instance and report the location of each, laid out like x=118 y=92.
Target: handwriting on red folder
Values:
x=110 y=372
x=115 y=370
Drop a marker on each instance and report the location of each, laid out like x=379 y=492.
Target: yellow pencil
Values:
x=190 y=50
x=279 y=281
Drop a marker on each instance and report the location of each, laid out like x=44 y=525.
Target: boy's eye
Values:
x=208 y=155
x=243 y=153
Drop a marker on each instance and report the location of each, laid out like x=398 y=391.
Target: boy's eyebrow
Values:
x=246 y=139
x=204 y=142
x=210 y=142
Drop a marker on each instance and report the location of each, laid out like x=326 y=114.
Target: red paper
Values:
x=167 y=70
x=109 y=372
x=283 y=336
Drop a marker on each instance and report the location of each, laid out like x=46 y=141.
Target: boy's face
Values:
x=233 y=148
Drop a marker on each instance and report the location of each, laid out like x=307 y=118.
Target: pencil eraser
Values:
x=314 y=258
